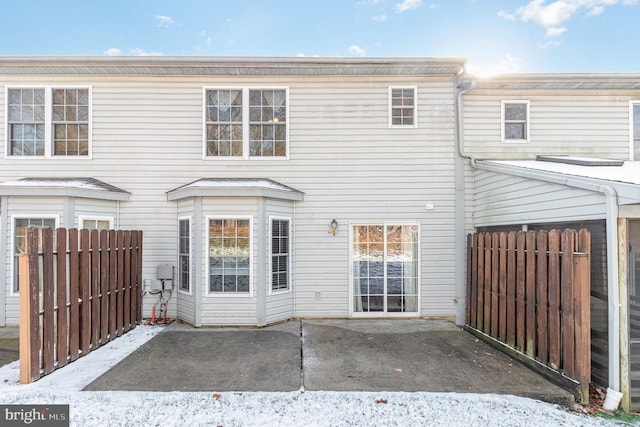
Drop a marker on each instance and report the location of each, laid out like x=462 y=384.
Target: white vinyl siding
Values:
x=504 y=199
x=577 y=123
x=148 y=139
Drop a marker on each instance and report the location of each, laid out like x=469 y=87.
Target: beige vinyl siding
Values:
x=503 y=199
x=92 y=208
x=576 y=123
x=148 y=137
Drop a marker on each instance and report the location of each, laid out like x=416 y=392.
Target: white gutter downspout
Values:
x=613 y=285
x=460 y=210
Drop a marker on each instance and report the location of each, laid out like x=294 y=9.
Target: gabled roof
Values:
x=624 y=179
x=230 y=66
x=235 y=187
x=89 y=188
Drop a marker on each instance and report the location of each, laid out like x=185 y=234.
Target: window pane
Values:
x=514 y=131
x=224 y=122
x=515 y=111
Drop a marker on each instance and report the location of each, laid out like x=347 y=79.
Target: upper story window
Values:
x=44 y=122
x=246 y=123
x=635 y=130
x=402 y=108
x=515 y=121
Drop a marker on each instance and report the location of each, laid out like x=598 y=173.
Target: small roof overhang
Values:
x=624 y=179
x=235 y=187
x=88 y=188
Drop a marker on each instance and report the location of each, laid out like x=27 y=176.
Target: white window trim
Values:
x=83 y=218
x=12 y=234
x=245 y=123
x=502 y=121
x=379 y=314
x=208 y=293
x=415 y=108
x=48 y=132
x=632 y=103
x=290 y=266
x=190 y=291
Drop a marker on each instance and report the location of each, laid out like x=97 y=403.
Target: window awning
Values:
x=235 y=187
x=89 y=188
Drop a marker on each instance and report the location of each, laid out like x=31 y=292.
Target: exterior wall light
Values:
x=333 y=227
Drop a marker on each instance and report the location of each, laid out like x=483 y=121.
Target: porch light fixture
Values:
x=333 y=227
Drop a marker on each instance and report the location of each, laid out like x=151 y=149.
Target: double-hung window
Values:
x=184 y=254
x=90 y=223
x=280 y=255
x=635 y=130
x=402 y=109
x=48 y=122
x=230 y=255
x=515 y=121
x=246 y=123
x=20 y=240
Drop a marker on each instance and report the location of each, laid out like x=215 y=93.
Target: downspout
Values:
x=460 y=208
x=613 y=287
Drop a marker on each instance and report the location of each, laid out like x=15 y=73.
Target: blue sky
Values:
x=494 y=36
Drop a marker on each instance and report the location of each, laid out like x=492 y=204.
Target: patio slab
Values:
x=331 y=355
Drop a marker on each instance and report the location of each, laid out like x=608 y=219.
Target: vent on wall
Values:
x=580 y=161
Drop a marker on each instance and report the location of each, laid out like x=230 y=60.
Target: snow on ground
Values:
x=298 y=408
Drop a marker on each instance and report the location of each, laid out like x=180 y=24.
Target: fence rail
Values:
x=531 y=292
x=78 y=291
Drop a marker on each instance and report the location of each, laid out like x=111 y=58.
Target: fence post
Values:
x=29 y=310
x=582 y=311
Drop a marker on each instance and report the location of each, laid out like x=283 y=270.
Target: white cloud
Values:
x=508 y=64
x=141 y=52
x=556 y=31
x=555 y=14
x=550 y=43
x=356 y=50
x=164 y=21
x=408 y=5
x=379 y=18
x=113 y=51
x=507 y=16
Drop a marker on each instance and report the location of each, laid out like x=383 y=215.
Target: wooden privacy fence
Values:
x=531 y=292
x=76 y=294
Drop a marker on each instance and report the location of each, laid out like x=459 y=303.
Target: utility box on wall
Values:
x=164 y=272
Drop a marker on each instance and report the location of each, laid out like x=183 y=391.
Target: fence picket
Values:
x=74 y=306
x=48 y=302
x=62 y=343
x=531 y=291
x=78 y=309
x=502 y=287
x=127 y=281
x=554 y=299
x=511 y=289
x=542 y=297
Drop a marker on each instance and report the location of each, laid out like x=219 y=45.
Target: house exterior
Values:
x=277 y=188
x=562 y=151
x=270 y=188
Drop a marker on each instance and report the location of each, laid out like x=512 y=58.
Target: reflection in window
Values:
x=229 y=255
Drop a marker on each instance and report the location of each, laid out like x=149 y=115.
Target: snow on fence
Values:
x=78 y=290
x=528 y=293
